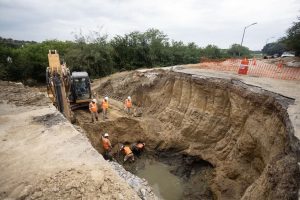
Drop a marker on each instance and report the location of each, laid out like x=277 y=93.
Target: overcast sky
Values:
x=219 y=22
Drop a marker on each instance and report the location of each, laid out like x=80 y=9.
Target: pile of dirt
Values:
x=20 y=95
x=65 y=184
x=287 y=61
x=244 y=132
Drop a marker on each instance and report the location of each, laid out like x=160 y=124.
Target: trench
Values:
x=206 y=138
x=171 y=174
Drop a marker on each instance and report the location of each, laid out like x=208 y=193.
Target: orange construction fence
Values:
x=257 y=68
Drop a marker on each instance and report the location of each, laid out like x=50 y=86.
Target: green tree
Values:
x=211 y=51
x=274 y=48
x=237 y=50
x=97 y=55
x=292 y=39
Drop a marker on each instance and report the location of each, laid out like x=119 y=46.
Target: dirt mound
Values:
x=243 y=131
x=287 y=61
x=65 y=184
x=20 y=95
x=75 y=184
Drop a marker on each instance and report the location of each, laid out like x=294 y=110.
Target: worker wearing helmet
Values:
x=106 y=146
x=128 y=105
x=104 y=107
x=94 y=110
x=138 y=148
x=127 y=152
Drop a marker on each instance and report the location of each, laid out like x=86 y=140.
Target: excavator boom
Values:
x=66 y=91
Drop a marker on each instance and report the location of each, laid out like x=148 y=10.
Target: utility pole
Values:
x=245 y=31
x=244 y=35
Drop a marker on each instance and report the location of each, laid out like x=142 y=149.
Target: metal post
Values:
x=244 y=35
x=245 y=31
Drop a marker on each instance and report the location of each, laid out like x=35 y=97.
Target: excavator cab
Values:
x=80 y=87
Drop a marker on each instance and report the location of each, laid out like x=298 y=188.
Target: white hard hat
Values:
x=106 y=135
x=129 y=97
x=106 y=98
x=94 y=100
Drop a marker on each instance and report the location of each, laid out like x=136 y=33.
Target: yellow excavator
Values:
x=67 y=91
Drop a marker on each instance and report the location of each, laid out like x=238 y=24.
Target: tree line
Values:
x=290 y=42
x=100 y=56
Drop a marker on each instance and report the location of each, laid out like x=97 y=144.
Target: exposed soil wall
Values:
x=244 y=132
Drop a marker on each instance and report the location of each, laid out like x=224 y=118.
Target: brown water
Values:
x=164 y=184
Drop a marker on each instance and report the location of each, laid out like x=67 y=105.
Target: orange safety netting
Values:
x=255 y=68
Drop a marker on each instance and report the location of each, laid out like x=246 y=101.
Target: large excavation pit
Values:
x=206 y=138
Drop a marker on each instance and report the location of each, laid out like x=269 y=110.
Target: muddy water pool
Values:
x=165 y=184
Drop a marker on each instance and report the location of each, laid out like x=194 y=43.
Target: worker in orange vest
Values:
x=94 y=110
x=138 y=148
x=104 y=107
x=127 y=152
x=128 y=105
x=106 y=146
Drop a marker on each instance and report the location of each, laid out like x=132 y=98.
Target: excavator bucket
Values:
x=54 y=62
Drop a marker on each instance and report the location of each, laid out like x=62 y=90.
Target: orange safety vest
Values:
x=105 y=143
x=127 y=150
x=128 y=103
x=104 y=104
x=93 y=107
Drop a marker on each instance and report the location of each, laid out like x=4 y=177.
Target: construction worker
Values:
x=137 y=148
x=127 y=152
x=104 y=107
x=94 y=110
x=106 y=146
x=128 y=105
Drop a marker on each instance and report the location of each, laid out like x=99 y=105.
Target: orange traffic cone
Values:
x=244 y=66
x=280 y=64
x=254 y=61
